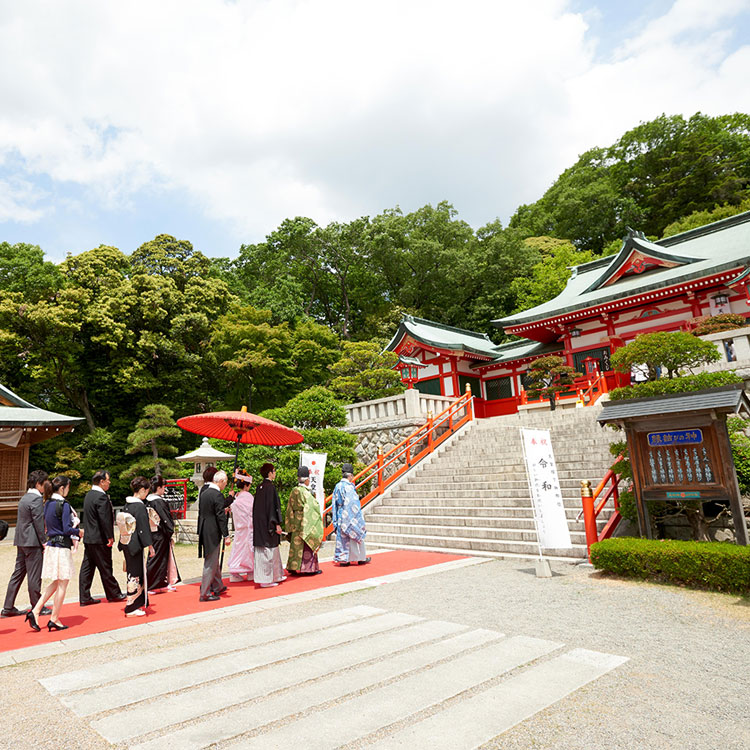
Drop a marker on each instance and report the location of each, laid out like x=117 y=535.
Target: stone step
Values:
x=479 y=502
x=465 y=532
x=528 y=555
x=497 y=522
x=425 y=481
x=469 y=545
x=502 y=706
x=464 y=511
x=500 y=473
x=458 y=491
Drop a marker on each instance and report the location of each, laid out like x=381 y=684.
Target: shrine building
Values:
x=22 y=425
x=644 y=288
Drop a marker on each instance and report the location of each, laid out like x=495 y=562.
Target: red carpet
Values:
x=16 y=633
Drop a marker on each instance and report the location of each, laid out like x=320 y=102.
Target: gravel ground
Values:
x=686 y=685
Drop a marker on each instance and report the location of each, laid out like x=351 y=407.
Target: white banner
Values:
x=549 y=512
x=316 y=462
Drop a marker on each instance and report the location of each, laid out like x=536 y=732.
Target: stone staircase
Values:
x=472 y=496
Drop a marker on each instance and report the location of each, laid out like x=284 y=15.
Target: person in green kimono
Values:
x=304 y=525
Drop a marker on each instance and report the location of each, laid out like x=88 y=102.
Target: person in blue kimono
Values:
x=348 y=521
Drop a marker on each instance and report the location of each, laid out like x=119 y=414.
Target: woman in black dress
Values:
x=161 y=571
x=133 y=549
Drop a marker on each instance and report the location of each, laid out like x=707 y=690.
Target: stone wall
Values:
x=382 y=438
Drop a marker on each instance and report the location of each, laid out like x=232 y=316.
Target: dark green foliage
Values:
x=717 y=566
x=701 y=218
x=665 y=386
x=717 y=323
x=655 y=175
x=153 y=435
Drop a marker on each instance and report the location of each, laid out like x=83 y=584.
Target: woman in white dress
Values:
x=241 y=559
x=57 y=566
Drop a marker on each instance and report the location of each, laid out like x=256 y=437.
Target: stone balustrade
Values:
x=411 y=406
x=734 y=347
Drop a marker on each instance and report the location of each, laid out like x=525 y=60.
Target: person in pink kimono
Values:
x=241 y=558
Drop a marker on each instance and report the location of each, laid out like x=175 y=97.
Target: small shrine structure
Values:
x=22 y=425
x=645 y=287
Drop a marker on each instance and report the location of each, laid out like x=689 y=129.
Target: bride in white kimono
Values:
x=241 y=558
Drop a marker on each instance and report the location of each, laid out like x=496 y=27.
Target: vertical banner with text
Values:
x=549 y=511
x=316 y=462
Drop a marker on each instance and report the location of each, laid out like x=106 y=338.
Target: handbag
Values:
x=3 y=529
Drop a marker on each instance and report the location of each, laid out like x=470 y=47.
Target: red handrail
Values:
x=404 y=453
x=591 y=509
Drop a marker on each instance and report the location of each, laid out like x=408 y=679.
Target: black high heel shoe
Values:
x=31 y=619
x=55 y=626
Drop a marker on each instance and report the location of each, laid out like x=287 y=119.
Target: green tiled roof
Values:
x=700 y=252
x=514 y=350
x=22 y=414
x=443 y=337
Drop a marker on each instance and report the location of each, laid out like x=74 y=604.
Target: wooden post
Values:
x=469 y=409
x=589 y=519
x=735 y=498
x=381 y=486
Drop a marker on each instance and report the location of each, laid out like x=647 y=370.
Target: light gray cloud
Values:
x=333 y=109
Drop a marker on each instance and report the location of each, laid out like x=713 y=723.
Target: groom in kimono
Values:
x=348 y=521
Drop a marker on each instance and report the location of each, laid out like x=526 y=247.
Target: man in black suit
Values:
x=29 y=540
x=98 y=536
x=213 y=531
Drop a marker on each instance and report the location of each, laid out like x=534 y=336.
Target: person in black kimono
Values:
x=161 y=570
x=140 y=540
x=267 y=530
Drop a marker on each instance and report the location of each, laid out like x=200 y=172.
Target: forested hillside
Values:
x=109 y=331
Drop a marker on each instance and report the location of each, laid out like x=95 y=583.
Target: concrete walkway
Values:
x=473 y=653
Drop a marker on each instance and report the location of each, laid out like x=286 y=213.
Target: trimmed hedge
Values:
x=717 y=566
x=668 y=386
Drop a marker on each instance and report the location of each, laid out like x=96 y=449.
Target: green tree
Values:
x=23 y=269
x=153 y=434
x=670 y=352
x=548 y=376
x=364 y=372
x=708 y=216
x=547 y=277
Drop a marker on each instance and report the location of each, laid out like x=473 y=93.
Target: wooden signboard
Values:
x=679 y=449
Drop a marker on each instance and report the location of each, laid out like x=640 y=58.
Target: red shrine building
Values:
x=646 y=287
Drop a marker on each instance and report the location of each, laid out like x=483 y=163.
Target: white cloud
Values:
x=331 y=108
x=19 y=201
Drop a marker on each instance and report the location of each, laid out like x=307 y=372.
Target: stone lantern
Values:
x=202 y=458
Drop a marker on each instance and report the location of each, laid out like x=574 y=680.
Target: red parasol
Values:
x=240 y=427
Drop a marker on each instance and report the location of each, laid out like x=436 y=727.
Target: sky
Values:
x=214 y=121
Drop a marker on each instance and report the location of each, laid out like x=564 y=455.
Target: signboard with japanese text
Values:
x=676 y=437
x=316 y=462
x=549 y=511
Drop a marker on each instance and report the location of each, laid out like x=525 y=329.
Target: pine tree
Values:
x=152 y=434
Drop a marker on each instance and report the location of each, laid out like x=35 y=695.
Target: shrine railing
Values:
x=390 y=466
x=606 y=489
x=584 y=391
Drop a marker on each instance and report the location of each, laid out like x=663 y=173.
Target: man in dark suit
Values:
x=29 y=540
x=98 y=536
x=213 y=531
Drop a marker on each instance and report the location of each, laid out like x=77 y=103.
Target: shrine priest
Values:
x=304 y=524
x=268 y=570
x=348 y=521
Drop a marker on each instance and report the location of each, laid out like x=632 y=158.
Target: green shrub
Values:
x=740 y=451
x=716 y=566
x=666 y=386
